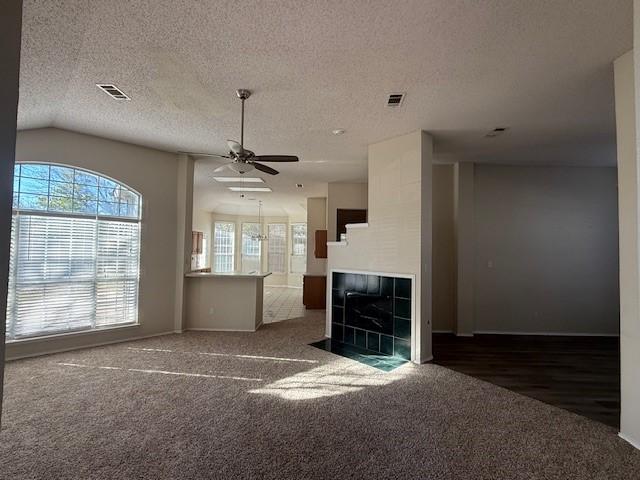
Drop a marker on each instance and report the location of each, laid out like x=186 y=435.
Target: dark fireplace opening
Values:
x=372 y=312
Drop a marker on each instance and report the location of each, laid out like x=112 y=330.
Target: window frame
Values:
x=97 y=277
x=298 y=256
x=242 y=247
x=283 y=254
x=214 y=253
x=98 y=175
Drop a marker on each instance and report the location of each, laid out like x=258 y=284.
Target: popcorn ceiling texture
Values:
x=542 y=68
x=268 y=406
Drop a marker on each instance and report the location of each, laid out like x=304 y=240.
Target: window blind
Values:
x=75 y=249
x=71 y=274
x=277 y=247
x=250 y=247
x=299 y=247
x=223 y=246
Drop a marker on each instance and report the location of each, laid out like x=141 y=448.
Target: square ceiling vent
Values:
x=395 y=99
x=113 y=91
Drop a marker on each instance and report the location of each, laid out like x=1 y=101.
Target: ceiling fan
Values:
x=243 y=160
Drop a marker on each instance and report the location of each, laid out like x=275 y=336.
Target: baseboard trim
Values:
x=630 y=441
x=452 y=332
x=221 y=329
x=425 y=360
x=82 y=347
x=546 y=334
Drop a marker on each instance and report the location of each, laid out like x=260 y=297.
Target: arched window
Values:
x=75 y=252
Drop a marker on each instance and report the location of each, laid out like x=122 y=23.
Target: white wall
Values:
x=546 y=250
x=316 y=220
x=443 y=273
x=10 y=28
x=283 y=279
x=627 y=79
x=343 y=195
x=398 y=239
x=152 y=173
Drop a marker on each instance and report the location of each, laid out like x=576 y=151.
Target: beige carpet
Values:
x=267 y=406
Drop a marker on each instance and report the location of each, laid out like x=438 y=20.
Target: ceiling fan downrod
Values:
x=243 y=94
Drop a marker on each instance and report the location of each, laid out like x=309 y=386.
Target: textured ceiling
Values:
x=542 y=68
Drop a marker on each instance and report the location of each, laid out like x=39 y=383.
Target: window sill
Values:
x=73 y=334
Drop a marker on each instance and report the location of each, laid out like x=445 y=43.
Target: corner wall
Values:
x=152 y=173
x=444 y=255
x=10 y=30
x=627 y=83
x=316 y=220
x=398 y=238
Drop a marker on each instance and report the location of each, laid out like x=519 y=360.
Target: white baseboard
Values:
x=425 y=360
x=221 y=329
x=629 y=440
x=547 y=334
x=91 y=345
x=451 y=332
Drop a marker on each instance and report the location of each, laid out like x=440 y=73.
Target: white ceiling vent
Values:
x=395 y=99
x=112 y=91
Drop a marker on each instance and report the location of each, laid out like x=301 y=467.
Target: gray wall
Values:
x=444 y=252
x=155 y=175
x=10 y=29
x=546 y=250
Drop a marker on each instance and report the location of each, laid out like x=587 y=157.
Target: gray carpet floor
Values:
x=268 y=406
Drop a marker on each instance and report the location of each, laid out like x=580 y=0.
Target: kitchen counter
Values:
x=224 y=301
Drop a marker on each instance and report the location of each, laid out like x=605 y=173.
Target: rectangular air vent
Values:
x=112 y=91
x=395 y=99
x=496 y=131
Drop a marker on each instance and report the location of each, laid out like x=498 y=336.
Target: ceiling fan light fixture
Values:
x=241 y=167
x=249 y=189
x=238 y=179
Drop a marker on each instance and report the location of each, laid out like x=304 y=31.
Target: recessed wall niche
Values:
x=372 y=312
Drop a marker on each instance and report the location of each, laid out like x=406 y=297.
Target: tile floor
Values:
x=386 y=363
x=282 y=303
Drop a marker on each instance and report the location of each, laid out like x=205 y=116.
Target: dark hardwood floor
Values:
x=579 y=374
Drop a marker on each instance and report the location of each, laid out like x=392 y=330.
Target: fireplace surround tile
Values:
x=375 y=312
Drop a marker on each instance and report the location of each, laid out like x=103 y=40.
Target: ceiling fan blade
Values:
x=276 y=158
x=222 y=167
x=264 y=168
x=234 y=146
x=195 y=154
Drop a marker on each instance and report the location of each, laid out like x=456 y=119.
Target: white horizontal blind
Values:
x=75 y=248
x=71 y=274
x=277 y=247
x=223 y=243
x=298 y=247
x=54 y=275
x=117 y=272
x=250 y=260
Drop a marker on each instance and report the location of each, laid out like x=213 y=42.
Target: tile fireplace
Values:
x=372 y=312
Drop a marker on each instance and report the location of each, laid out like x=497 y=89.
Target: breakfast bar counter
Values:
x=224 y=301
